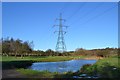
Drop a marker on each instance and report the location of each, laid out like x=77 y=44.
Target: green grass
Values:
x=42 y=58
x=111 y=61
x=44 y=74
x=107 y=67
x=33 y=73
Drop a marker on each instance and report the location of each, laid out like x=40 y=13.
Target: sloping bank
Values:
x=15 y=64
x=104 y=68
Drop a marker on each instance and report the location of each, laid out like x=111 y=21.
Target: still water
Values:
x=63 y=66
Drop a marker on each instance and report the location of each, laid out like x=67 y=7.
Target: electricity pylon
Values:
x=60 y=46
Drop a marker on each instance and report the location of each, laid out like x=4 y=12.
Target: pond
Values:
x=63 y=66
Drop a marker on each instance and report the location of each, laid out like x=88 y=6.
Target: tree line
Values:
x=12 y=47
x=106 y=52
x=16 y=47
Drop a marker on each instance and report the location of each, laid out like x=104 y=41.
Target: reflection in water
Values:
x=63 y=66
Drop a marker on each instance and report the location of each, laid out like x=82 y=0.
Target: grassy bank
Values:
x=41 y=58
x=35 y=74
x=15 y=64
x=105 y=68
x=44 y=74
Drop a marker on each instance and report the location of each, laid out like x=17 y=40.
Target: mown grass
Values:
x=41 y=58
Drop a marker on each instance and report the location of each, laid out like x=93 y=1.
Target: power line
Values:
x=76 y=11
x=62 y=10
x=88 y=13
x=98 y=15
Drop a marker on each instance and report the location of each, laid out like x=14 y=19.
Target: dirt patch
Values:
x=12 y=73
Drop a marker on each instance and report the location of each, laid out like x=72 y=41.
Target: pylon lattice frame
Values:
x=60 y=46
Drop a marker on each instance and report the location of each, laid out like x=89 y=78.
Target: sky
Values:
x=60 y=0
x=92 y=25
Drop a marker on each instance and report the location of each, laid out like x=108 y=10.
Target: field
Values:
x=41 y=58
x=107 y=67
